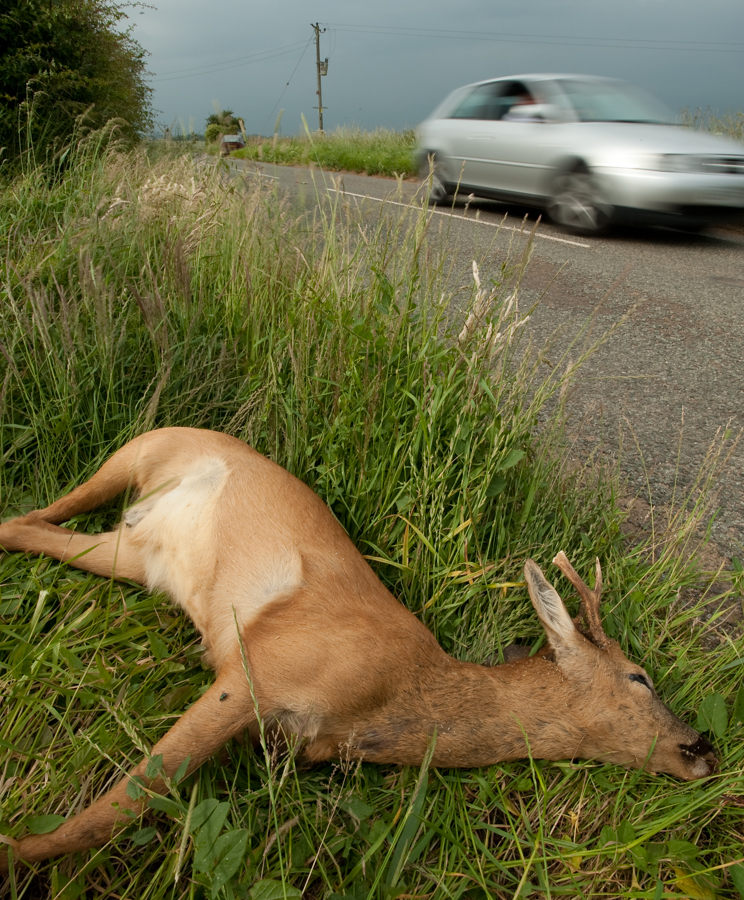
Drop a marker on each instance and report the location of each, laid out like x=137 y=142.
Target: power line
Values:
x=208 y=69
x=268 y=118
x=558 y=40
x=233 y=60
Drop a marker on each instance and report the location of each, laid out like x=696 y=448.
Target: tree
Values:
x=64 y=62
x=225 y=119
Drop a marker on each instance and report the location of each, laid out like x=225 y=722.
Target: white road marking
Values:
x=436 y=212
x=441 y=212
x=255 y=171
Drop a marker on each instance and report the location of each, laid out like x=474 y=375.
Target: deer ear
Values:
x=550 y=608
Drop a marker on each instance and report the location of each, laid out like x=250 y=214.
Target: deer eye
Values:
x=641 y=679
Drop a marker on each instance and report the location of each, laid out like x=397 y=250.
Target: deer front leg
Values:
x=224 y=711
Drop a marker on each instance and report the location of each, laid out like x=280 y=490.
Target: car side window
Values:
x=486 y=101
x=518 y=97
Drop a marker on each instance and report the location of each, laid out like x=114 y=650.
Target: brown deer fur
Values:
x=246 y=549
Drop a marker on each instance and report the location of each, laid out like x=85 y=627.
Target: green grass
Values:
x=379 y=152
x=136 y=294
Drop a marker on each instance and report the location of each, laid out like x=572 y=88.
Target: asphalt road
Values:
x=658 y=391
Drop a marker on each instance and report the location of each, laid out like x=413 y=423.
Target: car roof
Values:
x=542 y=76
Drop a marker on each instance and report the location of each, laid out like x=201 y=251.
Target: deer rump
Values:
x=302 y=634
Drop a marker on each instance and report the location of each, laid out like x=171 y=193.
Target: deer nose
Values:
x=701 y=749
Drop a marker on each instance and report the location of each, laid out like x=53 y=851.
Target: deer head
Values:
x=611 y=702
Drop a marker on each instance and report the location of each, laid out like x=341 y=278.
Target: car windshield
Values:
x=608 y=101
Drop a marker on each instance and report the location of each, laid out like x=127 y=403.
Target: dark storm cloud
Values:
x=392 y=62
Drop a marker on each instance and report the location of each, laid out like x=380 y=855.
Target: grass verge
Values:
x=138 y=293
x=379 y=152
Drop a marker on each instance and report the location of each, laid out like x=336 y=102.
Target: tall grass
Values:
x=378 y=152
x=139 y=293
x=730 y=124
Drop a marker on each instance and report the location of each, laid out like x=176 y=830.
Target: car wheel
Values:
x=578 y=205
x=438 y=192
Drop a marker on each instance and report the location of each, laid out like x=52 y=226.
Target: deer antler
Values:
x=589 y=599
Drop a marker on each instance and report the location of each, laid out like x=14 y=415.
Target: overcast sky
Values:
x=391 y=61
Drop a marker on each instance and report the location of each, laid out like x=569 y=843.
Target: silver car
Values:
x=590 y=151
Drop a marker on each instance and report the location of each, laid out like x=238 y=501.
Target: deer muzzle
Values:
x=699 y=757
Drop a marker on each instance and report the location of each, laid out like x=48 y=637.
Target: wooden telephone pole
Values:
x=322 y=68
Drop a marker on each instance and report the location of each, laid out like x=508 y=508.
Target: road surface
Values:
x=657 y=392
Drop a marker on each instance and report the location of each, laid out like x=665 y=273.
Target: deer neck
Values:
x=480 y=715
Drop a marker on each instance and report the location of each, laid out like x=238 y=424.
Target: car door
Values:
x=507 y=147
x=468 y=133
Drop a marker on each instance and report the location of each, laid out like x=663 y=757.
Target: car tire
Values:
x=439 y=191
x=577 y=203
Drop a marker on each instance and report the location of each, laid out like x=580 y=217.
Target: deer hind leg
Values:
x=119 y=473
x=224 y=711
x=110 y=554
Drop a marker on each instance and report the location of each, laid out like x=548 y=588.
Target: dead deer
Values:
x=303 y=634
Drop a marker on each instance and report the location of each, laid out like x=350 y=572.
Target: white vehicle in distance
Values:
x=591 y=151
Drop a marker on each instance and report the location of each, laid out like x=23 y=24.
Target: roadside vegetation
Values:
x=730 y=124
x=378 y=152
x=138 y=292
x=63 y=65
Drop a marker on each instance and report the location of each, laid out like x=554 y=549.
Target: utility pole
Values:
x=322 y=68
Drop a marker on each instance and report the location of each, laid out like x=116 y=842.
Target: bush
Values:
x=212 y=133
x=66 y=64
